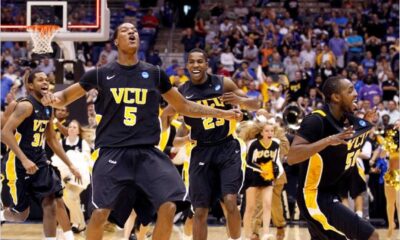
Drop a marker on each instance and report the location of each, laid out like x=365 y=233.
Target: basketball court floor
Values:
x=34 y=232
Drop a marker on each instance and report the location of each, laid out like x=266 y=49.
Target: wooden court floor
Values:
x=34 y=232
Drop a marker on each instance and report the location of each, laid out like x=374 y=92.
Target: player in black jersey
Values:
x=27 y=171
x=128 y=107
x=217 y=158
x=326 y=151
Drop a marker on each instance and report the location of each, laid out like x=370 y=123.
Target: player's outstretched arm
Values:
x=301 y=149
x=64 y=97
x=192 y=109
x=166 y=117
x=22 y=111
x=235 y=96
x=55 y=145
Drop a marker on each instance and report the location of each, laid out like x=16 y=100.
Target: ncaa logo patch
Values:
x=47 y=112
x=362 y=123
x=145 y=74
x=218 y=87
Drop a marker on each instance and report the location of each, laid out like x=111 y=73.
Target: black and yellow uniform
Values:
x=355 y=183
x=321 y=175
x=217 y=158
x=127 y=109
x=30 y=137
x=260 y=157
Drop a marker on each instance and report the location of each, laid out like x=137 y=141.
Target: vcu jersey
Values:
x=207 y=130
x=127 y=106
x=321 y=176
x=324 y=170
x=30 y=134
x=261 y=157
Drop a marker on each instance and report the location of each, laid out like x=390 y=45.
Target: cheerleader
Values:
x=262 y=169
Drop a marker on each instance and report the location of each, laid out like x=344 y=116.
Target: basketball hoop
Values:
x=42 y=35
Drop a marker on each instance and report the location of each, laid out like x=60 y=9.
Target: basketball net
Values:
x=42 y=35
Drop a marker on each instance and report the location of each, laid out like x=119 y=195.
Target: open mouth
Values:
x=196 y=72
x=44 y=89
x=132 y=39
x=354 y=105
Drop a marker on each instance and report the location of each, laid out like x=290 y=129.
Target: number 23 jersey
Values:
x=207 y=130
x=127 y=106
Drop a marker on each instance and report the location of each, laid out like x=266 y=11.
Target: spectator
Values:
x=390 y=88
x=131 y=8
x=393 y=112
x=6 y=55
x=292 y=6
x=338 y=46
x=326 y=56
x=225 y=27
x=19 y=51
x=149 y=21
x=154 y=58
x=276 y=67
x=110 y=54
x=355 y=47
x=180 y=77
x=240 y=10
x=369 y=90
x=253 y=92
x=171 y=70
x=292 y=65
x=75 y=146
x=368 y=62
x=245 y=72
x=6 y=86
x=308 y=55
x=297 y=88
x=228 y=60
x=47 y=66
x=250 y=53
x=358 y=84
x=189 y=41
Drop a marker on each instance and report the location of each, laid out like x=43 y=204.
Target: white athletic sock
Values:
x=235 y=238
x=68 y=235
x=2 y=218
x=359 y=213
x=50 y=238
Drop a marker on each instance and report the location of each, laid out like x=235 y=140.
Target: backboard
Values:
x=79 y=20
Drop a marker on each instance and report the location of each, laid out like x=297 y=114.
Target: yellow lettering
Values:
x=39 y=125
x=127 y=98
x=218 y=102
x=117 y=93
x=351 y=159
x=141 y=96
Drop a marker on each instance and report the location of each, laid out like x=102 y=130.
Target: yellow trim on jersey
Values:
x=361 y=173
x=310 y=190
x=320 y=112
x=266 y=147
x=243 y=155
x=186 y=164
x=98 y=118
x=164 y=136
x=232 y=127
x=11 y=171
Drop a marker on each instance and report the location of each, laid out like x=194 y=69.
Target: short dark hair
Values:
x=32 y=74
x=200 y=51
x=332 y=85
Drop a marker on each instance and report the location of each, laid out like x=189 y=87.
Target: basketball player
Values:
x=128 y=106
x=28 y=171
x=326 y=151
x=216 y=162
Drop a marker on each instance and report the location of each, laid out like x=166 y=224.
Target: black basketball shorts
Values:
x=143 y=175
x=215 y=171
x=354 y=184
x=328 y=219
x=23 y=187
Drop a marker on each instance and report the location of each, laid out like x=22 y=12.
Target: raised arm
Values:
x=236 y=96
x=192 y=109
x=22 y=111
